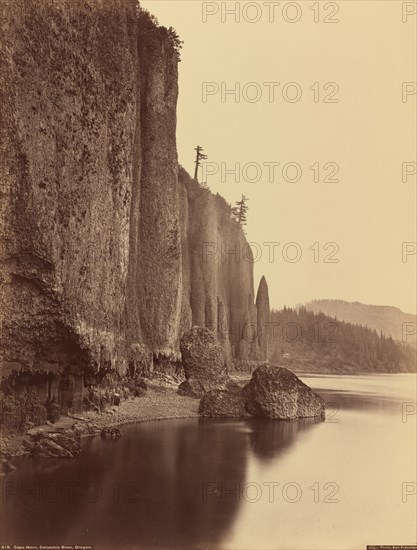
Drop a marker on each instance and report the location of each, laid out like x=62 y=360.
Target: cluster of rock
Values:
x=273 y=392
x=110 y=433
x=100 y=399
x=62 y=444
x=6 y=467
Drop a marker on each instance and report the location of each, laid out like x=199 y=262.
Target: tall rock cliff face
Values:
x=70 y=113
x=108 y=255
x=218 y=272
x=155 y=265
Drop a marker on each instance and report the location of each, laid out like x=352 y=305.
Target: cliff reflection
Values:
x=172 y=484
x=143 y=491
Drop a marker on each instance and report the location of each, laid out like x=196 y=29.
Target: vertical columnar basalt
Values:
x=69 y=111
x=263 y=318
x=105 y=255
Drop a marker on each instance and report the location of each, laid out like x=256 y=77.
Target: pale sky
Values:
x=370 y=212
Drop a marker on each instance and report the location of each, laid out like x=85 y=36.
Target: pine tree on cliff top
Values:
x=199 y=157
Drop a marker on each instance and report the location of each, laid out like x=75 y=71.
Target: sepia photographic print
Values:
x=208 y=259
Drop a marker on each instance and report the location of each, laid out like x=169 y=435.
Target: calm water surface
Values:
x=249 y=485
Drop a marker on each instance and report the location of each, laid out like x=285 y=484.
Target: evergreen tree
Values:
x=199 y=157
x=240 y=210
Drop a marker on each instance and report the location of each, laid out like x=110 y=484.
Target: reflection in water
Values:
x=170 y=484
x=365 y=401
x=143 y=491
x=270 y=438
x=164 y=484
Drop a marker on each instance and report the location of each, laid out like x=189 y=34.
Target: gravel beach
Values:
x=157 y=404
x=160 y=402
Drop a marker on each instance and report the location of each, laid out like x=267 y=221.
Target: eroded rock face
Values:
x=191 y=388
x=71 y=76
x=218 y=285
x=18 y=410
x=275 y=392
x=103 y=265
x=69 y=134
x=155 y=270
x=227 y=403
x=203 y=360
x=263 y=318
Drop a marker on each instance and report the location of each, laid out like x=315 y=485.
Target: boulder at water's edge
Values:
x=204 y=362
x=275 y=392
x=227 y=403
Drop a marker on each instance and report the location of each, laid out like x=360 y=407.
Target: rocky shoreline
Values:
x=208 y=390
x=63 y=438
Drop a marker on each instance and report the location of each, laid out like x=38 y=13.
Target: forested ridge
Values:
x=316 y=342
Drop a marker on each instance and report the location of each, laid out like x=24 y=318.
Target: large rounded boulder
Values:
x=227 y=403
x=203 y=361
x=275 y=392
x=191 y=388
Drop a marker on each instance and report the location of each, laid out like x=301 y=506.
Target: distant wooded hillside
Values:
x=315 y=342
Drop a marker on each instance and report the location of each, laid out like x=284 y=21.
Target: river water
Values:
x=339 y=484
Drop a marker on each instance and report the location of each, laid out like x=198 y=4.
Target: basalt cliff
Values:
x=109 y=250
